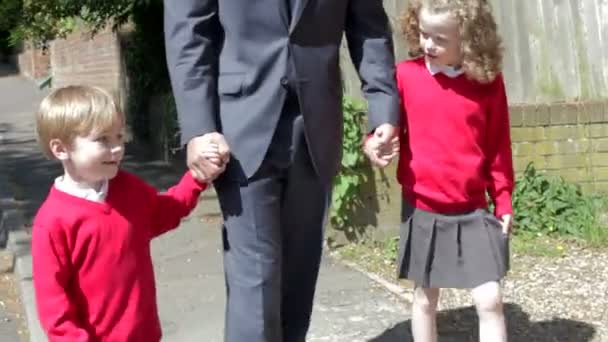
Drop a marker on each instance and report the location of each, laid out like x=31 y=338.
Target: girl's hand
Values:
x=379 y=153
x=391 y=150
x=506 y=221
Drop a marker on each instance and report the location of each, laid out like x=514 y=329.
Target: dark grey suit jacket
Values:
x=229 y=62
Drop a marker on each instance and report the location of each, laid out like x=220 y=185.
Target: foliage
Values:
x=390 y=249
x=9 y=14
x=147 y=69
x=10 y=11
x=346 y=193
x=43 y=20
x=546 y=205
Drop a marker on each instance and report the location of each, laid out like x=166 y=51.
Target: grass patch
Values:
x=374 y=257
x=540 y=246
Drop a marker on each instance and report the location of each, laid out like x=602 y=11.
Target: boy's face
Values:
x=96 y=156
x=440 y=38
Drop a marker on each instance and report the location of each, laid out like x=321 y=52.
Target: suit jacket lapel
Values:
x=283 y=12
x=299 y=7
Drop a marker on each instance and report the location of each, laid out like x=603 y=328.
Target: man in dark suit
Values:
x=263 y=77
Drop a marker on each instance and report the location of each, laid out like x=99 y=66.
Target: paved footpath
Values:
x=18 y=99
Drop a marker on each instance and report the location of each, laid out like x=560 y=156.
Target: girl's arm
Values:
x=52 y=273
x=498 y=149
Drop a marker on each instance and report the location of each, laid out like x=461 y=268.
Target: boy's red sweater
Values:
x=92 y=268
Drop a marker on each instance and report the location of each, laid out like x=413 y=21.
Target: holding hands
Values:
x=207 y=156
x=383 y=146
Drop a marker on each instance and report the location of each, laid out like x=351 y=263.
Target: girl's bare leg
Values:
x=424 y=314
x=488 y=301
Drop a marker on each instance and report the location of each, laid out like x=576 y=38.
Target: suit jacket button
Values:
x=284 y=81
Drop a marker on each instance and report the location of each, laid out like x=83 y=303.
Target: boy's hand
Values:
x=207 y=156
x=212 y=153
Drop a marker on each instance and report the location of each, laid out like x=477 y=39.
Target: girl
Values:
x=455 y=148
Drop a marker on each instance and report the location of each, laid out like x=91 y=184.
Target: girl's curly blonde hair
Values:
x=481 y=45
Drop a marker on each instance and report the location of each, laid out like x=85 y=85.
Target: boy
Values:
x=93 y=273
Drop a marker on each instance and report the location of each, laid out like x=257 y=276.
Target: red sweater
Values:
x=92 y=268
x=457 y=143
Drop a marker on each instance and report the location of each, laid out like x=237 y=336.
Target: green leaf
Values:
x=351 y=176
x=551 y=206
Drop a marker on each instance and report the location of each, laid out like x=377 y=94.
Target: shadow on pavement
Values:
x=460 y=325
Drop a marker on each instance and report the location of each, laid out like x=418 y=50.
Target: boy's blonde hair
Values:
x=481 y=45
x=74 y=111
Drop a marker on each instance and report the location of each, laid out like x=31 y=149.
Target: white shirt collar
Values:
x=449 y=71
x=86 y=193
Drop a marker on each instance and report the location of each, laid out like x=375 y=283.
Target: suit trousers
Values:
x=273 y=237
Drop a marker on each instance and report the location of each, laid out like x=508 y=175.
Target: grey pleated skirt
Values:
x=451 y=251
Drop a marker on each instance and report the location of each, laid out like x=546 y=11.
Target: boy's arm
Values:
x=498 y=149
x=52 y=273
x=170 y=207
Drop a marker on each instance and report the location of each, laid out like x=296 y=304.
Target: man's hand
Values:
x=506 y=221
x=383 y=146
x=207 y=156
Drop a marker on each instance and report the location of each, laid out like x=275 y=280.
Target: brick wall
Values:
x=80 y=59
x=566 y=139
x=33 y=62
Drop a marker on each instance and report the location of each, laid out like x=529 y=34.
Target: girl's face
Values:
x=440 y=38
